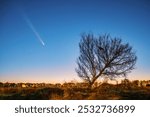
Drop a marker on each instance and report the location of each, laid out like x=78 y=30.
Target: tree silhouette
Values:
x=104 y=56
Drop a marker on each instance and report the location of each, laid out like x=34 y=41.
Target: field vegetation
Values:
x=126 y=90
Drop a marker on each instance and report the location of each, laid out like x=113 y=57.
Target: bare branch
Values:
x=104 y=56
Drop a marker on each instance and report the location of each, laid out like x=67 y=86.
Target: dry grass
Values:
x=103 y=92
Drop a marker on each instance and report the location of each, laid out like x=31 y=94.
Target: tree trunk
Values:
x=91 y=84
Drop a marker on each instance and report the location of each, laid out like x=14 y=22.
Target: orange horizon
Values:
x=63 y=81
x=61 y=77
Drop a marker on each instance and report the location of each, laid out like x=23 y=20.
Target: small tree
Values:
x=104 y=56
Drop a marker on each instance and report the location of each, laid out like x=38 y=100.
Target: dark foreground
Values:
x=102 y=92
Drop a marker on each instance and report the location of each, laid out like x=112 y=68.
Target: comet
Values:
x=30 y=24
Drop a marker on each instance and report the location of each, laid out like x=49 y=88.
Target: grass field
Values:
x=104 y=91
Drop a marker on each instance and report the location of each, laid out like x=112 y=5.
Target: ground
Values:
x=103 y=92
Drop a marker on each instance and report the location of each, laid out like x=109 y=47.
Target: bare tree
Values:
x=104 y=56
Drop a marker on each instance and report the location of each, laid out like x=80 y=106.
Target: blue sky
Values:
x=59 y=23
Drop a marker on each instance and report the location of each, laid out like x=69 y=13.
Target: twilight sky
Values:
x=39 y=38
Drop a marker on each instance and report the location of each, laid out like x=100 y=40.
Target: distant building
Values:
x=23 y=85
